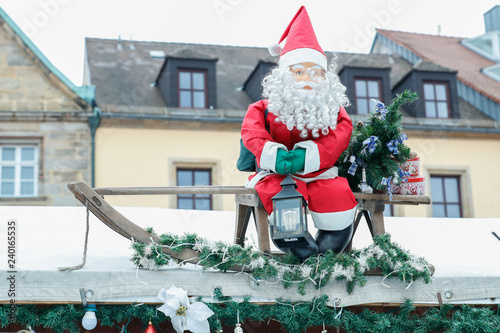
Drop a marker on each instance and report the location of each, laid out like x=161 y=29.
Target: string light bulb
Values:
x=89 y=320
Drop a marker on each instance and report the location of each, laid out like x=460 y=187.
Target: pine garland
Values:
x=350 y=267
x=384 y=125
x=294 y=317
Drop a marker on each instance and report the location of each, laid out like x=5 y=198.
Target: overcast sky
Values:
x=59 y=27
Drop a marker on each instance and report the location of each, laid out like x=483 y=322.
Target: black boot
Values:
x=303 y=252
x=335 y=240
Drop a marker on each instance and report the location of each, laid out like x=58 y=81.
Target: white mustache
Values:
x=311 y=84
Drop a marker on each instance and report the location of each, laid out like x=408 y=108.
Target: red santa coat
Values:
x=330 y=200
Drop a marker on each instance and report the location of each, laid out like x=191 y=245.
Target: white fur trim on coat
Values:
x=268 y=155
x=333 y=221
x=312 y=162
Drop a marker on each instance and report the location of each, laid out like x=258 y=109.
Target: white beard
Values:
x=315 y=110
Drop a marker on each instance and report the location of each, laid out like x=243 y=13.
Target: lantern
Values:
x=289 y=222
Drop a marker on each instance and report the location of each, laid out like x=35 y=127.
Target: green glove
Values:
x=283 y=162
x=298 y=160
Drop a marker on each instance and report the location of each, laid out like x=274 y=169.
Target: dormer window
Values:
x=437 y=91
x=367 y=90
x=192 y=89
x=436 y=99
x=253 y=84
x=364 y=85
x=187 y=80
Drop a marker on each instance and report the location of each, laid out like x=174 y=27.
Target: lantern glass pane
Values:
x=288 y=214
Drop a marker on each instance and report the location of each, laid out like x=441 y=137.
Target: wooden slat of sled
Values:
x=397 y=199
x=174 y=190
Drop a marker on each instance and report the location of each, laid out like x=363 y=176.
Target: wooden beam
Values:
x=397 y=199
x=174 y=190
x=213 y=189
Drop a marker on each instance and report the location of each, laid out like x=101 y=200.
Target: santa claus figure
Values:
x=306 y=130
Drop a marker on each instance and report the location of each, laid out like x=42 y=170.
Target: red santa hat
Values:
x=301 y=43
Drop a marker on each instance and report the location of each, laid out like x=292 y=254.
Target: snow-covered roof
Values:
x=464 y=252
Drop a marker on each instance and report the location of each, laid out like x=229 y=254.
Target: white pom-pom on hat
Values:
x=275 y=50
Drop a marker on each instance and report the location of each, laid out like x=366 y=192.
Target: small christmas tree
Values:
x=377 y=151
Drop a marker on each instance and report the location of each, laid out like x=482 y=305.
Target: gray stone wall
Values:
x=25 y=85
x=64 y=157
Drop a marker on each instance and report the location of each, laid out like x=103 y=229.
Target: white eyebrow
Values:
x=298 y=66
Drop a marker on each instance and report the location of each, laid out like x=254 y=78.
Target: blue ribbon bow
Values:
x=393 y=144
x=371 y=144
x=380 y=109
x=353 y=167
x=385 y=181
x=388 y=184
x=404 y=174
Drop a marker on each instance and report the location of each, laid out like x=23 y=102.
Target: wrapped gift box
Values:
x=412 y=166
x=413 y=186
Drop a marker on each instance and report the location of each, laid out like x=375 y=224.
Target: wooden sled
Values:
x=119 y=223
x=94 y=201
x=247 y=201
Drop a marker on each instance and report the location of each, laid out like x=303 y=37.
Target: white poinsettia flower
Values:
x=184 y=315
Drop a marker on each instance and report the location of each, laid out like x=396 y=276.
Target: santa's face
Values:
x=307 y=75
x=306 y=97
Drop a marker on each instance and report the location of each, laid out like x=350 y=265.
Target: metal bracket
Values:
x=84 y=294
x=440 y=299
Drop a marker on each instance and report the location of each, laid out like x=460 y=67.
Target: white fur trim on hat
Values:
x=301 y=55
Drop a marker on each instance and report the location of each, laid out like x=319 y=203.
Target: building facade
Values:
x=45 y=140
x=454 y=127
x=171 y=115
